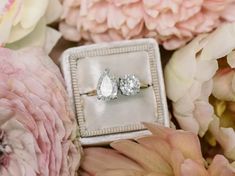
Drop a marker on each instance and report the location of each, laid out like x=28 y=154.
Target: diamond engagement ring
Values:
x=108 y=86
x=129 y=85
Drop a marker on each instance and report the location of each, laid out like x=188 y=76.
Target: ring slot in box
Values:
x=99 y=121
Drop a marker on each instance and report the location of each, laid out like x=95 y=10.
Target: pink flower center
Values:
x=5 y=150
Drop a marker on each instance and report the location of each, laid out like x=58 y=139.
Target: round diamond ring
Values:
x=129 y=85
x=108 y=86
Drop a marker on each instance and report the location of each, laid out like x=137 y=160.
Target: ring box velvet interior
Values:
x=101 y=122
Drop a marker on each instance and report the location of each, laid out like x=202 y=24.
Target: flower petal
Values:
x=119 y=172
x=177 y=159
x=192 y=168
x=33 y=38
x=225 y=136
x=222 y=88
x=54 y=11
x=220 y=166
x=214 y=48
x=158 y=130
x=150 y=160
x=105 y=159
x=181 y=70
x=188 y=143
x=33 y=10
x=231 y=59
x=158 y=145
x=203 y=113
x=206 y=69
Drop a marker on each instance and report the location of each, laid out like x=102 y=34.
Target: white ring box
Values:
x=101 y=122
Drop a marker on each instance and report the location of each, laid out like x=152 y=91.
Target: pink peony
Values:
x=172 y=22
x=37 y=124
x=167 y=152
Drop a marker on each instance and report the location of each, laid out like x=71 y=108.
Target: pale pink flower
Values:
x=37 y=125
x=24 y=23
x=172 y=22
x=18 y=147
x=204 y=69
x=167 y=152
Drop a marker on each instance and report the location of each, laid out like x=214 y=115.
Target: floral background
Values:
x=37 y=124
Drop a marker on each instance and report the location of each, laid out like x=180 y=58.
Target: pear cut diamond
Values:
x=107 y=87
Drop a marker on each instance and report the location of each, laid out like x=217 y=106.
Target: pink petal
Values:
x=120 y=172
x=117 y=14
x=229 y=13
x=203 y=113
x=222 y=88
x=105 y=159
x=192 y=168
x=158 y=130
x=220 y=166
x=177 y=159
x=158 y=145
x=150 y=160
x=188 y=143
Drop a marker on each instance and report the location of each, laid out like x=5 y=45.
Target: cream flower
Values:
x=196 y=76
x=167 y=152
x=23 y=23
x=37 y=125
x=172 y=23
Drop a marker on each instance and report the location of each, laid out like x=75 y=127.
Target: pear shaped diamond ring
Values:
x=108 y=86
